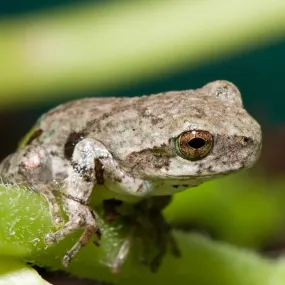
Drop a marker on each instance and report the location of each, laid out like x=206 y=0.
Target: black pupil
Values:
x=196 y=143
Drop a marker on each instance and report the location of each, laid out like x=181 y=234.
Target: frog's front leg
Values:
x=31 y=167
x=90 y=164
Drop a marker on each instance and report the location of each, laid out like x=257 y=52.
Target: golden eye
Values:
x=194 y=144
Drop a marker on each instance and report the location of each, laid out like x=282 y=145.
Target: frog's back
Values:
x=104 y=119
x=92 y=115
x=77 y=112
x=83 y=117
x=72 y=117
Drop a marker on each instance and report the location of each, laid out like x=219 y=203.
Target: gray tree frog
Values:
x=132 y=149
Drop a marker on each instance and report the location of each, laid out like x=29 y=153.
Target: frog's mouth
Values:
x=202 y=176
x=173 y=184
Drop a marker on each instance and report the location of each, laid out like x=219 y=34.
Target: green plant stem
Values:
x=105 y=46
x=25 y=220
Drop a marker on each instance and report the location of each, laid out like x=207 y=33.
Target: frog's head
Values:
x=211 y=136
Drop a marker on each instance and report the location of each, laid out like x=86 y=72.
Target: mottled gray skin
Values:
x=124 y=148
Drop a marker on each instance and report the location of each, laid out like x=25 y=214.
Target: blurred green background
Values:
x=246 y=209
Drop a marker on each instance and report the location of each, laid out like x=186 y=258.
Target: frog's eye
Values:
x=194 y=144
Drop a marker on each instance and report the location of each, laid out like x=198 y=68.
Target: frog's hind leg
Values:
x=30 y=167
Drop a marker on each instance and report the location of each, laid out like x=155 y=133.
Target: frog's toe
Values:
x=163 y=244
x=50 y=239
x=66 y=260
x=97 y=237
x=57 y=221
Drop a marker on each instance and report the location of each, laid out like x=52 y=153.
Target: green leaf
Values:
x=14 y=272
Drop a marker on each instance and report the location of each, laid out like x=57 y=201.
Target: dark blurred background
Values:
x=259 y=74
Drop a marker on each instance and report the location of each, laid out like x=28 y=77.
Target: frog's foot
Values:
x=148 y=227
x=154 y=232
x=82 y=218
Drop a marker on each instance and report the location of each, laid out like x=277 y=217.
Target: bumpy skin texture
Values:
x=125 y=148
